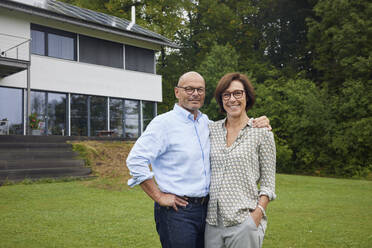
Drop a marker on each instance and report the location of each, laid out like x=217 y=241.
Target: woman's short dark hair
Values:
x=225 y=82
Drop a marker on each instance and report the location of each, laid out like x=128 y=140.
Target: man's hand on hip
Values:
x=164 y=199
x=170 y=200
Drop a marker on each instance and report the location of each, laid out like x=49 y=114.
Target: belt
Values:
x=196 y=200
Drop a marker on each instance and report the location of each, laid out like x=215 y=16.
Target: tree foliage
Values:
x=294 y=107
x=310 y=62
x=340 y=38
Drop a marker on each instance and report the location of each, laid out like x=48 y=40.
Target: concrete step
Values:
x=34 y=139
x=53 y=139
x=26 y=145
x=37 y=157
x=43 y=173
x=32 y=154
x=40 y=163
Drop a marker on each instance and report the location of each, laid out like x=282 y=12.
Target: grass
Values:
x=104 y=212
x=309 y=212
x=73 y=215
x=320 y=212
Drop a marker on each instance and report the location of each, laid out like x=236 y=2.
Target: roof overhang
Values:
x=32 y=10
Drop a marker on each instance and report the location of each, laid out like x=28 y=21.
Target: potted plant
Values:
x=34 y=124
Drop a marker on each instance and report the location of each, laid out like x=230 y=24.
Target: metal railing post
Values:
x=28 y=111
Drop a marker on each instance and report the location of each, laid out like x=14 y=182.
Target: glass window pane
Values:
x=131 y=118
x=98 y=110
x=117 y=116
x=148 y=112
x=11 y=102
x=61 y=46
x=38 y=107
x=56 y=114
x=79 y=115
x=37 y=42
x=100 y=52
x=38 y=103
x=139 y=59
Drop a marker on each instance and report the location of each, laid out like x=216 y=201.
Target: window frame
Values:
x=128 y=65
x=103 y=43
x=47 y=31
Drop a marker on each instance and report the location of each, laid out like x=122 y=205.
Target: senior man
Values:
x=177 y=146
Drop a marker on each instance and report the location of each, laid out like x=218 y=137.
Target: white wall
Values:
x=59 y=75
x=11 y=26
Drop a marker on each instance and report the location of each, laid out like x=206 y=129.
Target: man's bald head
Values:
x=190 y=76
x=190 y=92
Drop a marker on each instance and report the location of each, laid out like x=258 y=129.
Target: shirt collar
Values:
x=186 y=115
x=249 y=124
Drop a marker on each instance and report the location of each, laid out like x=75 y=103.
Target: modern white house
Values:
x=79 y=72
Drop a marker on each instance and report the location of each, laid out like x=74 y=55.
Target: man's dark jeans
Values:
x=183 y=228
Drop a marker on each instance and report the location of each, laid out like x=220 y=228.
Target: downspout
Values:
x=133 y=21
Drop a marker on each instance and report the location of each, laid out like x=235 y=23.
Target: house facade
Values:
x=75 y=72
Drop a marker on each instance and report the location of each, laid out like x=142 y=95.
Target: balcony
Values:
x=14 y=54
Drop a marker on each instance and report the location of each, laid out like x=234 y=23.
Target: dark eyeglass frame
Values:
x=238 y=94
x=190 y=90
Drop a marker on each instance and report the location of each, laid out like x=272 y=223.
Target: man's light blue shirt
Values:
x=177 y=147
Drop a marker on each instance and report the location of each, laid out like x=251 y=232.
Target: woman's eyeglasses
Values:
x=236 y=93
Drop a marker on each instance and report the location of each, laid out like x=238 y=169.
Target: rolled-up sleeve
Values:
x=147 y=148
x=267 y=160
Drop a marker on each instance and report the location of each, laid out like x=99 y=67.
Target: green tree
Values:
x=310 y=62
x=301 y=121
x=283 y=29
x=219 y=61
x=340 y=39
x=171 y=70
x=351 y=137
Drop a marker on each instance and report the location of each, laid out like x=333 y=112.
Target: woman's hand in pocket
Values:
x=256 y=216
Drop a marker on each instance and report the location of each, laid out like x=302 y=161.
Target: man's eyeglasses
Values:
x=191 y=90
x=236 y=93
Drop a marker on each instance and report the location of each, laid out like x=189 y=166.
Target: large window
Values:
x=60 y=46
x=11 y=115
x=139 y=59
x=97 y=114
x=88 y=115
x=100 y=52
x=148 y=112
x=117 y=116
x=38 y=108
x=53 y=42
x=132 y=120
x=79 y=115
x=50 y=110
x=38 y=42
x=56 y=124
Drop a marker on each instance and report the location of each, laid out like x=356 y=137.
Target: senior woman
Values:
x=242 y=158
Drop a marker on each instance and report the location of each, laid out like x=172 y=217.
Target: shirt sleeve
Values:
x=147 y=148
x=267 y=160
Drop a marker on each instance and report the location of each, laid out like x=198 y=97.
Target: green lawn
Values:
x=309 y=212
